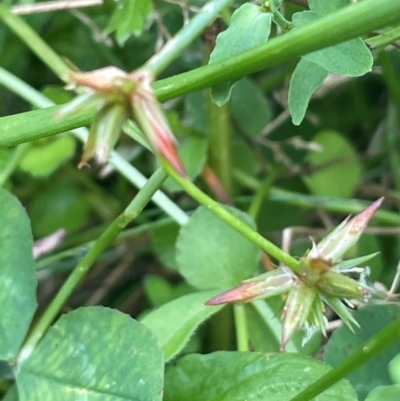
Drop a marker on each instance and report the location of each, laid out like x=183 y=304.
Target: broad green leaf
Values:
x=44 y=158
x=195 y=113
x=211 y=254
x=157 y=289
x=60 y=206
x=243 y=157
x=17 y=275
x=306 y=79
x=351 y=58
x=129 y=18
x=384 y=393
x=36 y=124
x=336 y=170
x=394 y=369
x=249 y=107
x=327 y=6
x=164 y=238
x=238 y=376
x=175 y=322
x=193 y=153
x=93 y=353
x=249 y=27
x=372 y=319
x=12 y=394
x=6 y=155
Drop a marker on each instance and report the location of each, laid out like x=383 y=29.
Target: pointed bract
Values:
x=272 y=283
x=344 y=236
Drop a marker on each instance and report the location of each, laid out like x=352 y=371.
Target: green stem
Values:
x=12 y=164
x=358 y=19
x=385 y=38
x=234 y=222
x=34 y=42
x=219 y=134
x=130 y=213
x=339 y=205
x=241 y=327
x=372 y=347
x=280 y=20
x=174 y=47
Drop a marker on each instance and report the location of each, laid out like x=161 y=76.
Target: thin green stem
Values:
x=17 y=156
x=372 y=347
x=130 y=213
x=339 y=205
x=280 y=20
x=234 y=222
x=241 y=327
x=34 y=42
x=174 y=47
x=358 y=19
x=220 y=132
x=261 y=193
x=385 y=38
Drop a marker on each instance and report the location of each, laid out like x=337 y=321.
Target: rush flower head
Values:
x=118 y=96
x=319 y=279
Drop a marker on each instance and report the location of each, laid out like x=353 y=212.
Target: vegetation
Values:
x=196 y=246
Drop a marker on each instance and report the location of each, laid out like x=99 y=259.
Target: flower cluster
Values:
x=318 y=280
x=118 y=96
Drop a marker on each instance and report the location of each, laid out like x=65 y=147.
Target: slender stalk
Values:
x=186 y=36
x=358 y=19
x=130 y=213
x=372 y=347
x=16 y=158
x=219 y=135
x=241 y=327
x=234 y=222
x=385 y=38
x=339 y=205
x=280 y=20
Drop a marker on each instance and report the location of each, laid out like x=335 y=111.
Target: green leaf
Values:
x=12 y=394
x=238 y=376
x=6 y=155
x=394 y=369
x=211 y=254
x=249 y=107
x=306 y=79
x=25 y=127
x=129 y=18
x=44 y=158
x=193 y=153
x=79 y=358
x=372 y=319
x=174 y=322
x=60 y=206
x=17 y=275
x=158 y=290
x=164 y=239
x=336 y=170
x=249 y=27
x=326 y=7
x=351 y=58
x=384 y=393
